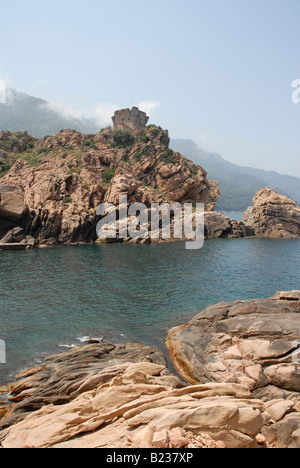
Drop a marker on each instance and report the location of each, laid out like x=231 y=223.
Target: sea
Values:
x=56 y=298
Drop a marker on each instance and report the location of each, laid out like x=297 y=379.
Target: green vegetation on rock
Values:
x=167 y=157
x=107 y=175
x=122 y=138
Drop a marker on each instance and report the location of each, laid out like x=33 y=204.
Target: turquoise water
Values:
x=54 y=297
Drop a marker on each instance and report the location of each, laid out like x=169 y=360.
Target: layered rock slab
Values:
x=65 y=376
x=140 y=405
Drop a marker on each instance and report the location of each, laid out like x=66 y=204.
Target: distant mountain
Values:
x=238 y=184
x=39 y=118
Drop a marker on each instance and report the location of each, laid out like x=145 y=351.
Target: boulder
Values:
x=284 y=433
x=14 y=236
x=12 y=207
x=273 y=215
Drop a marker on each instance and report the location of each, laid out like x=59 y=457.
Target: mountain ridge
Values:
x=22 y=112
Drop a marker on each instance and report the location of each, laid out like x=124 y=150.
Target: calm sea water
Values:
x=54 y=297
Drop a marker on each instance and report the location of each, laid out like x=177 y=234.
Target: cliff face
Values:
x=63 y=178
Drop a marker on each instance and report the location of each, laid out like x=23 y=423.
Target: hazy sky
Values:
x=218 y=72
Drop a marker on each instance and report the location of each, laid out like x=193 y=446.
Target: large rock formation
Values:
x=63 y=178
x=273 y=215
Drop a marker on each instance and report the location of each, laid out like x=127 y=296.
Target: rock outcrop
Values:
x=66 y=376
x=273 y=215
x=52 y=187
x=219 y=226
x=252 y=343
x=61 y=179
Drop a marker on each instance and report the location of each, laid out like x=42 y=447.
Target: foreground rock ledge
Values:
x=103 y=395
x=241 y=359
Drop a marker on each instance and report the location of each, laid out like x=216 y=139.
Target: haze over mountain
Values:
x=22 y=112
x=238 y=184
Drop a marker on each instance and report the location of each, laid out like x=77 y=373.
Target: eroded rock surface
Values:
x=65 y=376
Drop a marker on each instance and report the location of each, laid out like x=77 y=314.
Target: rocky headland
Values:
x=238 y=386
x=50 y=188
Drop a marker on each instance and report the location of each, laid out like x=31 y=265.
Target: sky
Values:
x=217 y=72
